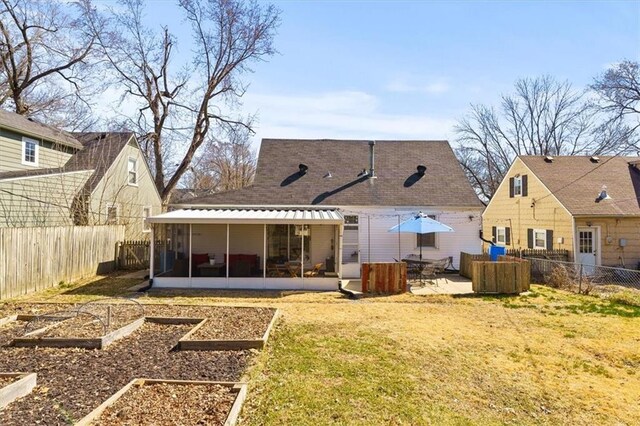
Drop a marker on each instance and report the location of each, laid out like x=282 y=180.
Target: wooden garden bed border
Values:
x=87 y=343
x=21 y=387
x=239 y=388
x=185 y=344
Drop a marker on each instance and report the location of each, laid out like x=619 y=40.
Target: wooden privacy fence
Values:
x=134 y=254
x=384 y=277
x=33 y=259
x=506 y=276
x=466 y=260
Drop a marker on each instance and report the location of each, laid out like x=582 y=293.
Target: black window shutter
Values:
x=493 y=233
x=507 y=236
x=530 y=238
x=549 y=239
x=510 y=187
x=524 y=185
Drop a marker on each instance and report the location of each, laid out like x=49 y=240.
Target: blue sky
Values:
x=410 y=69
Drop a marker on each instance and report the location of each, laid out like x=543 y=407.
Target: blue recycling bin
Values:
x=495 y=251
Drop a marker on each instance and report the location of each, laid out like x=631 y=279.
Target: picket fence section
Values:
x=33 y=259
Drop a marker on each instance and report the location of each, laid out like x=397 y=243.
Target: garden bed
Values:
x=156 y=402
x=14 y=386
x=72 y=382
x=208 y=335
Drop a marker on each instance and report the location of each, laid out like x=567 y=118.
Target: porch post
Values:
x=151 y=253
x=339 y=245
x=190 y=257
x=228 y=256
x=302 y=257
x=264 y=258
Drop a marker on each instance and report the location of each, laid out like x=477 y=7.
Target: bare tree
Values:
x=185 y=104
x=618 y=91
x=542 y=117
x=46 y=56
x=226 y=163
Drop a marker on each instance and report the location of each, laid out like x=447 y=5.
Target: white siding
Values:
x=383 y=246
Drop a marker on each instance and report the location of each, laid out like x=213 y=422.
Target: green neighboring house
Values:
x=49 y=177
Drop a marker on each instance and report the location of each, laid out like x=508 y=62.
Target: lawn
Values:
x=550 y=357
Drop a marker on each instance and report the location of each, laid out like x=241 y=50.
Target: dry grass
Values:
x=551 y=357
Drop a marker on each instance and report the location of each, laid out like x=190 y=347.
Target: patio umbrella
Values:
x=421 y=224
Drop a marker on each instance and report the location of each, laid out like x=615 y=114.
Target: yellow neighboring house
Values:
x=589 y=206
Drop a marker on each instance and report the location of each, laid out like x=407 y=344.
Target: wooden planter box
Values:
x=32 y=339
x=384 y=277
x=17 y=389
x=502 y=277
x=186 y=344
x=240 y=389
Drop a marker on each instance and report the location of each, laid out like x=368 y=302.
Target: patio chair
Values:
x=429 y=272
x=315 y=271
x=274 y=271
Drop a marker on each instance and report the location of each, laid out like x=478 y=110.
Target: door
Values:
x=350 y=248
x=588 y=245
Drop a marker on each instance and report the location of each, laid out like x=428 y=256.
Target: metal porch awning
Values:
x=249 y=216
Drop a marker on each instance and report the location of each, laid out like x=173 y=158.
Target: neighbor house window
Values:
x=517 y=186
x=539 y=239
x=132 y=178
x=112 y=214
x=146 y=212
x=426 y=240
x=30 y=152
x=501 y=236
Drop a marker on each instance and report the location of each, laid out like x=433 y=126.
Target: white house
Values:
x=316 y=210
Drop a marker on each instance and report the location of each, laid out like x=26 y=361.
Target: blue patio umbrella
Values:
x=421 y=224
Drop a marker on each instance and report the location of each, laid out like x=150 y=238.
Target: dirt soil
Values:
x=179 y=405
x=242 y=324
x=5 y=381
x=86 y=325
x=72 y=382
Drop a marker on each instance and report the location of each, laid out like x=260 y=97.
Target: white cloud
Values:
x=402 y=85
x=339 y=115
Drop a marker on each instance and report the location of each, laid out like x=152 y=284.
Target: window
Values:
x=132 y=178
x=30 y=152
x=539 y=239
x=146 y=212
x=112 y=214
x=517 y=186
x=426 y=240
x=501 y=236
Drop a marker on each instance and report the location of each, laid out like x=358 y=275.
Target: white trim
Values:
x=151 y=253
x=518 y=179
x=44 y=175
x=504 y=232
x=135 y=165
x=146 y=227
x=544 y=232
x=597 y=244
x=36 y=153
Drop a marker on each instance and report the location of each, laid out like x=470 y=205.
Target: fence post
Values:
x=580 y=281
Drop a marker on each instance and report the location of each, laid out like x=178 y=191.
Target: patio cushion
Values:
x=197 y=259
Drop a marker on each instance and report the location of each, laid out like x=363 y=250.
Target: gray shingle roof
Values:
x=278 y=182
x=576 y=182
x=30 y=127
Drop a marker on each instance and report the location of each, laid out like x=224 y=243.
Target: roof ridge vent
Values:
x=548 y=158
x=594 y=159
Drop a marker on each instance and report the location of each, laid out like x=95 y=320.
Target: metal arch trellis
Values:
x=31 y=325
x=100 y=302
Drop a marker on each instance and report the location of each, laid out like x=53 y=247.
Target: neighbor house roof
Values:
x=29 y=127
x=576 y=181
x=332 y=175
x=99 y=152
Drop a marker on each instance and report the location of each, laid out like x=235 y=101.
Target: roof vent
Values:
x=327 y=175
x=603 y=194
x=421 y=169
x=302 y=169
x=594 y=159
x=548 y=159
x=364 y=172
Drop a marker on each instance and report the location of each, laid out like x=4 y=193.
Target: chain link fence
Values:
x=583 y=278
